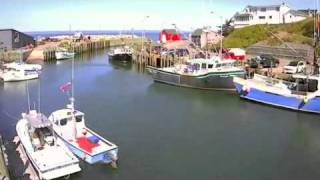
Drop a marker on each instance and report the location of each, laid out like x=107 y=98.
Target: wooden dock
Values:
x=4 y=173
x=90 y=46
x=156 y=60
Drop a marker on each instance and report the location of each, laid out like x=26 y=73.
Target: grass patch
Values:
x=299 y=32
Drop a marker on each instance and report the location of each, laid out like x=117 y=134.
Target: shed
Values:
x=13 y=39
x=169 y=35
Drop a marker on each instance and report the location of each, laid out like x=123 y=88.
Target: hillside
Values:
x=300 y=32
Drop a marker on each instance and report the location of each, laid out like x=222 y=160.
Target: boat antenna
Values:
x=72 y=85
x=39 y=95
x=28 y=95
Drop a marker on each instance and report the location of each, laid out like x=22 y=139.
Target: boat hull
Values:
x=294 y=103
x=103 y=157
x=19 y=77
x=64 y=55
x=121 y=57
x=211 y=81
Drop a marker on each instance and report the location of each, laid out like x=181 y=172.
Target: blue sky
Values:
x=41 y=15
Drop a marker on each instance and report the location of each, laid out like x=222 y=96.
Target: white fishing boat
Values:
x=64 y=54
x=48 y=155
x=69 y=125
x=23 y=66
x=17 y=74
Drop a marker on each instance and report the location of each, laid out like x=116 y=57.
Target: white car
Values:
x=295 y=67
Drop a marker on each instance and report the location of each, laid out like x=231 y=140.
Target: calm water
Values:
x=165 y=132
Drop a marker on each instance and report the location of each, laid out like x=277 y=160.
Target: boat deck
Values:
x=92 y=144
x=50 y=156
x=277 y=88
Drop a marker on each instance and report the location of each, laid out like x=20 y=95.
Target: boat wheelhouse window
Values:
x=293 y=63
x=203 y=66
x=63 y=122
x=312 y=85
x=78 y=118
x=218 y=65
x=197 y=66
x=210 y=66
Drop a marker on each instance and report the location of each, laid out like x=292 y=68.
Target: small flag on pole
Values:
x=65 y=86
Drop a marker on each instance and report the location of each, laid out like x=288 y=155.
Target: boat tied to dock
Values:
x=212 y=74
x=48 y=154
x=69 y=125
x=302 y=95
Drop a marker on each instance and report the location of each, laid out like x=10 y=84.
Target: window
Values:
x=16 y=37
x=270 y=17
x=262 y=17
x=210 y=66
x=63 y=122
x=263 y=9
x=277 y=8
x=78 y=118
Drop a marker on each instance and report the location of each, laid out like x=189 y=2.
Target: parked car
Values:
x=295 y=67
x=252 y=63
x=267 y=61
x=178 y=52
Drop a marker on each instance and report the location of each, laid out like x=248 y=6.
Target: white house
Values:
x=273 y=14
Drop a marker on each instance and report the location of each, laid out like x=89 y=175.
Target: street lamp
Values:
x=221 y=19
x=143 y=32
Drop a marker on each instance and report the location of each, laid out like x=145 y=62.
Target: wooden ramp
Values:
x=36 y=55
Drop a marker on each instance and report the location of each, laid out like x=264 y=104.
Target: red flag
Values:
x=65 y=86
x=318 y=24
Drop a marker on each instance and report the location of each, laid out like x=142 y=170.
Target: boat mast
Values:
x=28 y=96
x=39 y=96
x=72 y=86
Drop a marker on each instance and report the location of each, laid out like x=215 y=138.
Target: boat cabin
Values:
x=208 y=64
x=40 y=130
x=304 y=84
x=71 y=125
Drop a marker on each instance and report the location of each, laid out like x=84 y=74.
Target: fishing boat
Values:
x=18 y=74
x=213 y=74
x=48 y=155
x=123 y=53
x=64 y=54
x=69 y=125
x=301 y=95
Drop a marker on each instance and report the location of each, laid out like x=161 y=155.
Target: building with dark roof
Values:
x=13 y=39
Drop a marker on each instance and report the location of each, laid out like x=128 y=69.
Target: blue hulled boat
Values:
x=301 y=95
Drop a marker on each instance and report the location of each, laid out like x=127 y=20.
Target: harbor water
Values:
x=166 y=132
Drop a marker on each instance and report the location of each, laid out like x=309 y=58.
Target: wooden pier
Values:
x=89 y=46
x=4 y=173
x=156 y=60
